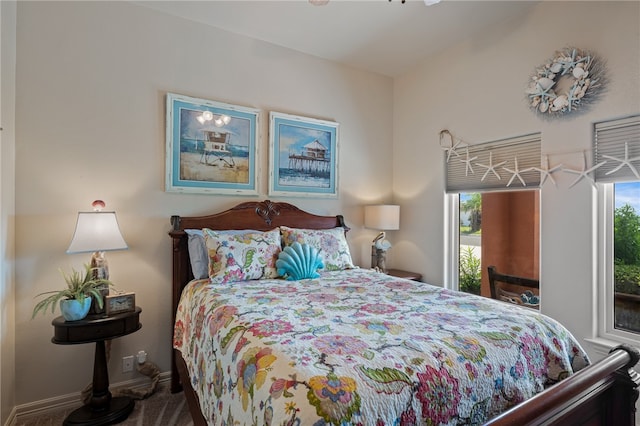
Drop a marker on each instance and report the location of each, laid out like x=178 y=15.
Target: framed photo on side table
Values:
x=211 y=147
x=303 y=156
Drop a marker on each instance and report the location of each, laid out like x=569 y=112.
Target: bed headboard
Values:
x=258 y=215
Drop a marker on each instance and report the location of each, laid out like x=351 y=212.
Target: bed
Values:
x=357 y=347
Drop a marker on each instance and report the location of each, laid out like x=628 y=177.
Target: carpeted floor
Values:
x=162 y=409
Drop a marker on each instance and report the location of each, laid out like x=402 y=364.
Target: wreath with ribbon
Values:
x=570 y=80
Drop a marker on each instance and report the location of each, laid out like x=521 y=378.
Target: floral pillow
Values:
x=331 y=243
x=240 y=256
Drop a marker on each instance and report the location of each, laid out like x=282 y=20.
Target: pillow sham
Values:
x=331 y=243
x=242 y=255
x=198 y=256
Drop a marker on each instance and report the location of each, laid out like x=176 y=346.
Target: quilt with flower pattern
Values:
x=357 y=347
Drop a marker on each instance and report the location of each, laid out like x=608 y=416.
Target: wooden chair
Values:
x=507 y=288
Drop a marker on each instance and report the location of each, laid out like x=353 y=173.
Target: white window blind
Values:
x=618 y=143
x=476 y=175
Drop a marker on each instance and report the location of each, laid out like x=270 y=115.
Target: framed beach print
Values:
x=211 y=147
x=303 y=156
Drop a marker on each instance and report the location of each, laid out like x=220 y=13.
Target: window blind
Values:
x=479 y=176
x=618 y=143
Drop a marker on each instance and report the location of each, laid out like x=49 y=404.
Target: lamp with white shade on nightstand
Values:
x=383 y=217
x=97 y=232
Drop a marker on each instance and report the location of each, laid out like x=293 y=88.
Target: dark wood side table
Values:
x=102 y=409
x=404 y=274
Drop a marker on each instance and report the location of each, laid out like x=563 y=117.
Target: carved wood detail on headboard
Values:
x=266 y=209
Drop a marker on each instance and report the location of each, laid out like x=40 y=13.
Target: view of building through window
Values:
x=499 y=229
x=626 y=243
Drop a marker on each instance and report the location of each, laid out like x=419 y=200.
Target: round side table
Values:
x=102 y=409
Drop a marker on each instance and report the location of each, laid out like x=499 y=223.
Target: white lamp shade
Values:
x=97 y=231
x=383 y=217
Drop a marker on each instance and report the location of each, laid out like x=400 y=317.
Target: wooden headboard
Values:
x=258 y=215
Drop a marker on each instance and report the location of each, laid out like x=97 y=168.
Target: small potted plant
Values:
x=75 y=300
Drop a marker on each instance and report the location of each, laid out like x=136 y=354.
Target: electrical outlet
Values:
x=127 y=364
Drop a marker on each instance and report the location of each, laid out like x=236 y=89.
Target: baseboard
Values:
x=73 y=400
x=11 y=420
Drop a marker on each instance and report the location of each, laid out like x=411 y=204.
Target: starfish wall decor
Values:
x=491 y=167
x=468 y=163
x=515 y=173
x=584 y=173
x=546 y=172
x=624 y=162
x=453 y=144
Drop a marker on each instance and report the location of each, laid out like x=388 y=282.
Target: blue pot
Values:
x=74 y=310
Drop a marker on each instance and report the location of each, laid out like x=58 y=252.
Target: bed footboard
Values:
x=604 y=393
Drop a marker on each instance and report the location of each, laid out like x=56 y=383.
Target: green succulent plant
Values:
x=79 y=286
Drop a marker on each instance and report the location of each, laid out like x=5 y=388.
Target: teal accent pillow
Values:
x=299 y=261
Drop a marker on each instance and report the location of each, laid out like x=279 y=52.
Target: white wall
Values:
x=476 y=91
x=7 y=207
x=91 y=85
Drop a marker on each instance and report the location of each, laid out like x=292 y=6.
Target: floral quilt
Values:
x=357 y=347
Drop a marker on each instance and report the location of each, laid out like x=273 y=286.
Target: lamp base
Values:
x=379 y=259
x=99 y=265
x=374 y=258
x=100 y=268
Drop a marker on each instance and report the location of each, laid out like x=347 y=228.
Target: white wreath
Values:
x=560 y=86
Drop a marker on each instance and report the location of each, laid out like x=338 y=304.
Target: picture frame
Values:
x=211 y=147
x=119 y=303
x=303 y=156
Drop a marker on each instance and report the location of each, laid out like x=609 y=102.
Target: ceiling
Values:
x=385 y=37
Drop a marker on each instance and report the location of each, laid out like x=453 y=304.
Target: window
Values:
x=492 y=211
x=618 y=143
x=626 y=256
x=470 y=251
x=619 y=273
x=494 y=228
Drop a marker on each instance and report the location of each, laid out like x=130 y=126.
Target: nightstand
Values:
x=102 y=409
x=404 y=274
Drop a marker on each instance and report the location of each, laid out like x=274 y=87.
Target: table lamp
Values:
x=384 y=217
x=97 y=232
